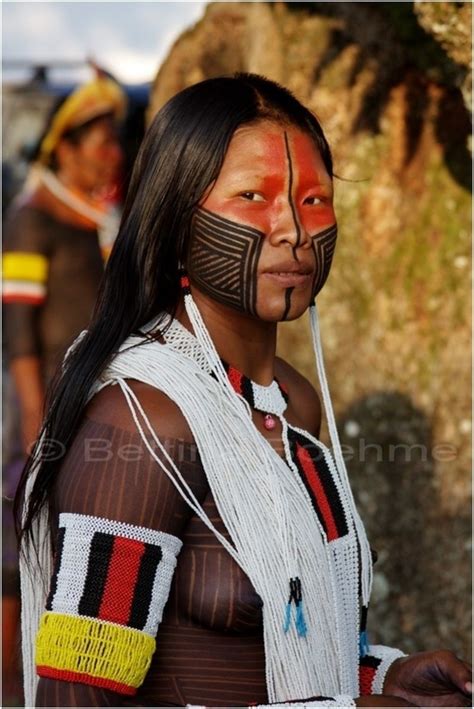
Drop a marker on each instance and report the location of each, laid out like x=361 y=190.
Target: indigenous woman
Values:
x=58 y=232
x=207 y=549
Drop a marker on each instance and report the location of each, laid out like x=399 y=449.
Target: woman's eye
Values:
x=313 y=200
x=252 y=196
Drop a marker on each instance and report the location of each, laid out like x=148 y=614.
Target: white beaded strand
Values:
x=366 y=556
x=248 y=511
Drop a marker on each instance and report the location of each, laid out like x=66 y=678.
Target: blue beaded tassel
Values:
x=296 y=598
x=363 y=637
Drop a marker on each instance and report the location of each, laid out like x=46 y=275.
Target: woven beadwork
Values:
x=325 y=659
x=271 y=399
x=109 y=586
x=76 y=649
x=385 y=656
x=266 y=508
x=112 y=571
x=367 y=671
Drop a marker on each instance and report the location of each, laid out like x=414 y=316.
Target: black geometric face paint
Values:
x=324 y=245
x=223 y=260
x=288 y=293
x=290 y=197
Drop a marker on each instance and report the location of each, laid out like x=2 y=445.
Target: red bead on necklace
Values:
x=269 y=422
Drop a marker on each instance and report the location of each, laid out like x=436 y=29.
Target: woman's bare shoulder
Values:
x=303 y=396
x=109 y=406
x=110 y=471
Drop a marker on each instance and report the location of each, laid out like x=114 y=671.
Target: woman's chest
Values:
x=209 y=588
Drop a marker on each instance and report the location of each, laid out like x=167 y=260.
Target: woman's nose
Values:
x=288 y=228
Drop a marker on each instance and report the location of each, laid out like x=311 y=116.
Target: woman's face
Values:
x=264 y=236
x=93 y=165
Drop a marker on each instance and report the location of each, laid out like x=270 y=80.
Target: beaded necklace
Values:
x=304 y=454
x=310 y=462
x=271 y=400
x=305 y=457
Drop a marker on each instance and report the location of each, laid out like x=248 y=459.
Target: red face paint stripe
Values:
x=312 y=477
x=121 y=579
x=70 y=676
x=366 y=678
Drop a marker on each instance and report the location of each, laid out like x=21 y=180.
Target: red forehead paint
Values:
x=258 y=162
x=310 y=179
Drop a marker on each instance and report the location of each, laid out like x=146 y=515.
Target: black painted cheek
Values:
x=324 y=245
x=223 y=260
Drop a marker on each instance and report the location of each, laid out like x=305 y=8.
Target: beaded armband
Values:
x=374 y=666
x=110 y=583
x=24 y=277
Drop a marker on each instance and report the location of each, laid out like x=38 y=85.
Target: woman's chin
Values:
x=280 y=312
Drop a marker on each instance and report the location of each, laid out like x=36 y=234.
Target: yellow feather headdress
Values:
x=98 y=97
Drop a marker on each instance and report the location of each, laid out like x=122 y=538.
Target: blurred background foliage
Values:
x=391 y=84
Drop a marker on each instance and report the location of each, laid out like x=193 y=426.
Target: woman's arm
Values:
x=109 y=475
x=27 y=253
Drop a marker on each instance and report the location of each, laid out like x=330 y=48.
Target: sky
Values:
x=130 y=39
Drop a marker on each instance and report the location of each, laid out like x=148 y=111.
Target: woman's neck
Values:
x=248 y=344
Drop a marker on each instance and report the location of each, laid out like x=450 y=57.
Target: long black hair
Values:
x=180 y=157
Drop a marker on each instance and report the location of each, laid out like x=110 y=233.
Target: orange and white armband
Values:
x=110 y=584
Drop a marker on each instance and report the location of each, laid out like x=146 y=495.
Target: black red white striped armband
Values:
x=373 y=668
x=110 y=584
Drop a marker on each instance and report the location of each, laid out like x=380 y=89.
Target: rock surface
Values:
x=389 y=82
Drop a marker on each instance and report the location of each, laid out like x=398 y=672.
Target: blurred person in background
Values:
x=57 y=235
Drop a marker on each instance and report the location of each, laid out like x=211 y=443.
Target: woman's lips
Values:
x=288 y=279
